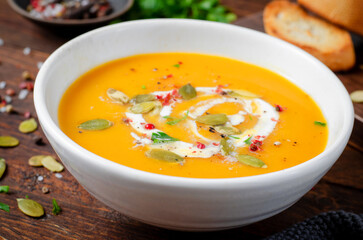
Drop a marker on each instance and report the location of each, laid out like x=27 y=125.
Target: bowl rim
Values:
x=69 y=22
x=327 y=156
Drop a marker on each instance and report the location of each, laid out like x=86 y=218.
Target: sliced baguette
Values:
x=346 y=13
x=331 y=45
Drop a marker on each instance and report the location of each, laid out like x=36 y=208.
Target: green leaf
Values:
x=233 y=137
x=4 y=189
x=4 y=207
x=320 y=123
x=176 y=65
x=56 y=208
x=161 y=137
x=248 y=140
x=175 y=121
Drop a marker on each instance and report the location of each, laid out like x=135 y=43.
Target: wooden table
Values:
x=84 y=217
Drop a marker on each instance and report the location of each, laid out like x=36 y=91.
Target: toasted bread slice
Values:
x=330 y=44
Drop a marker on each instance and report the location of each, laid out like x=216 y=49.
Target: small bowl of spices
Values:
x=71 y=12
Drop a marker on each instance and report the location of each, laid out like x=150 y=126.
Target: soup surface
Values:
x=192 y=115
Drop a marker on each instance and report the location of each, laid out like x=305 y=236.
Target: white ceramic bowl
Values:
x=189 y=203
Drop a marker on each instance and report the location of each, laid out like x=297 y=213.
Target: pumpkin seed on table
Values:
x=357 y=96
x=30 y=207
x=28 y=126
x=227 y=130
x=227 y=148
x=164 y=155
x=117 y=96
x=213 y=119
x=36 y=161
x=143 y=107
x=8 y=141
x=187 y=92
x=2 y=167
x=51 y=164
x=95 y=124
x=143 y=98
x=251 y=161
x=242 y=93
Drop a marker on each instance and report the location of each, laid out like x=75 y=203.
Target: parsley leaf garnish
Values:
x=320 y=123
x=4 y=189
x=233 y=137
x=4 y=207
x=175 y=121
x=176 y=65
x=56 y=208
x=161 y=137
x=248 y=140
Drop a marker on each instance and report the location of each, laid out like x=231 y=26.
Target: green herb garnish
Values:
x=248 y=140
x=176 y=65
x=4 y=207
x=56 y=208
x=143 y=87
x=26 y=196
x=4 y=189
x=161 y=137
x=233 y=137
x=320 y=123
x=176 y=120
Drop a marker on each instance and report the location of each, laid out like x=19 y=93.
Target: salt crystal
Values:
x=3 y=109
x=26 y=51
x=40 y=178
x=39 y=64
x=1 y=42
x=277 y=143
x=58 y=175
x=23 y=93
x=8 y=99
x=2 y=85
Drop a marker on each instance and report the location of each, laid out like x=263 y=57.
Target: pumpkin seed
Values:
x=242 y=93
x=30 y=207
x=227 y=130
x=2 y=166
x=357 y=96
x=28 y=126
x=251 y=161
x=117 y=96
x=36 y=161
x=8 y=141
x=51 y=164
x=213 y=119
x=95 y=124
x=143 y=98
x=164 y=155
x=143 y=107
x=187 y=92
x=157 y=108
x=227 y=147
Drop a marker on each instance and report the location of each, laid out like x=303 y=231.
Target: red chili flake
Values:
x=180 y=62
x=29 y=86
x=273 y=119
x=166 y=100
x=149 y=126
x=169 y=76
x=142 y=123
x=27 y=114
x=278 y=108
x=174 y=92
x=253 y=148
x=3 y=103
x=215 y=144
x=159 y=97
x=200 y=145
x=219 y=89
x=23 y=85
x=194 y=151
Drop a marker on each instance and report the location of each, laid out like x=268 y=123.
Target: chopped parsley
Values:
x=4 y=189
x=248 y=140
x=161 y=137
x=233 y=137
x=56 y=208
x=143 y=87
x=4 y=207
x=176 y=65
x=176 y=120
x=320 y=123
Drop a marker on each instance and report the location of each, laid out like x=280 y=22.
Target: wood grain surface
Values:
x=84 y=217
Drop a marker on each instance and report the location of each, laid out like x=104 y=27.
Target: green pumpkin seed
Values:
x=188 y=92
x=117 y=96
x=227 y=130
x=251 y=161
x=143 y=107
x=30 y=207
x=164 y=155
x=157 y=108
x=242 y=93
x=51 y=164
x=36 y=161
x=8 y=141
x=143 y=98
x=95 y=124
x=28 y=126
x=213 y=119
x=227 y=147
x=2 y=166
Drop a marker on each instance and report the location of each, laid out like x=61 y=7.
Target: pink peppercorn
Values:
x=10 y=92
x=200 y=145
x=27 y=114
x=149 y=126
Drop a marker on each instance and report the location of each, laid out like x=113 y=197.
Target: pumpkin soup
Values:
x=192 y=115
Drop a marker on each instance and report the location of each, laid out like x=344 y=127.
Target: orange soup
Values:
x=192 y=115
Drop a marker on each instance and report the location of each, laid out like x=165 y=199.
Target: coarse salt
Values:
x=39 y=65
x=58 y=175
x=1 y=42
x=26 y=51
x=23 y=93
x=2 y=85
x=40 y=178
x=8 y=99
